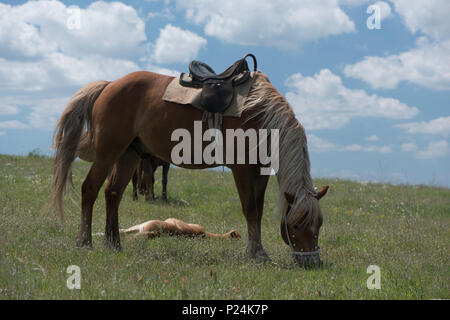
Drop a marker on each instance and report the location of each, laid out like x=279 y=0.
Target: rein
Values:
x=297 y=253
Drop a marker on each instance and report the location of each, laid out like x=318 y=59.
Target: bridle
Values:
x=297 y=253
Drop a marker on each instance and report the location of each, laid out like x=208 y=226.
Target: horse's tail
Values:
x=76 y=118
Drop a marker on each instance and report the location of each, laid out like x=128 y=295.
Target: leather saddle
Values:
x=217 y=89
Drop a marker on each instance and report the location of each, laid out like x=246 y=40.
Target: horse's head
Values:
x=300 y=227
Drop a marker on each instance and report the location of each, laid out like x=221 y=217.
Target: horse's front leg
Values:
x=251 y=187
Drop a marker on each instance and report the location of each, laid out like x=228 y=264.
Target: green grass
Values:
x=404 y=230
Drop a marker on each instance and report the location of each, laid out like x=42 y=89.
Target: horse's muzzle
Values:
x=308 y=261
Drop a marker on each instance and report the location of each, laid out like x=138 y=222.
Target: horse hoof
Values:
x=114 y=245
x=264 y=257
x=83 y=243
x=259 y=256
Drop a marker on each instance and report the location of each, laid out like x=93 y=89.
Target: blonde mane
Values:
x=274 y=112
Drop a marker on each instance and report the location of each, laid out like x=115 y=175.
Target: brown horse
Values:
x=119 y=112
x=144 y=177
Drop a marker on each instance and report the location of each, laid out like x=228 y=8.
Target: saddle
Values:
x=217 y=89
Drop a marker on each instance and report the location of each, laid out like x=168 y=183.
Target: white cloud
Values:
x=435 y=149
x=323 y=102
x=45 y=113
x=409 y=147
x=6 y=109
x=373 y=138
x=161 y=70
x=385 y=9
x=430 y=17
x=13 y=124
x=42 y=59
x=437 y=126
x=427 y=65
x=284 y=24
x=345 y=174
x=37 y=28
x=317 y=144
x=359 y=148
x=57 y=70
x=177 y=45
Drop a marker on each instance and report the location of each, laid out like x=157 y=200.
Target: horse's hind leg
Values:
x=166 y=167
x=149 y=178
x=120 y=177
x=89 y=192
x=135 y=184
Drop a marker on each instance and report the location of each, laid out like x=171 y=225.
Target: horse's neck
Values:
x=294 y=170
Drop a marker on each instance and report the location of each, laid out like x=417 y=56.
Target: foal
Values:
x=172 y=226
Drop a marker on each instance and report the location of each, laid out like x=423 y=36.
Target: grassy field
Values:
x=405 y=230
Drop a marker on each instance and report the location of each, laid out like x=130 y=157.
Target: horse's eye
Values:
x=296 y=227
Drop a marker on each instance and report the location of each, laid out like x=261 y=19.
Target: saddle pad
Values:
x=175 y=92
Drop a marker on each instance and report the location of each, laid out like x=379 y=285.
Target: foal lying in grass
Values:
x=174 y=227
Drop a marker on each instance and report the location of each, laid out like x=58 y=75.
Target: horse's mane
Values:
x=266 y=104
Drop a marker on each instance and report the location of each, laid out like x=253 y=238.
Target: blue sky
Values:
x=375 y=102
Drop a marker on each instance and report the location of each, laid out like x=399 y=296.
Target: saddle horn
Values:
x=255 y=64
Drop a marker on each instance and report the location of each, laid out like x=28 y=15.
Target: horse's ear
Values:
x=289 y=197
x=322 y=192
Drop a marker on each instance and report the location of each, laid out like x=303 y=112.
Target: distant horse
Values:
x=117 y=113
x=144 y=177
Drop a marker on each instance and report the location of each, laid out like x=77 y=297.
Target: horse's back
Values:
x=124 y=101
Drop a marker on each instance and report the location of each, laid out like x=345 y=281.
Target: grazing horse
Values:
x=144 y=177
x=117 y=114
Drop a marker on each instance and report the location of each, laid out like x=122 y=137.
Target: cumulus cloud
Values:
x=161 y=70
x=435 y=149
x=323 y=102
x=357 y=147
x=409 y=147
x=426 y=65
x=177 y=45
x=385 y=9
x=48 y=49
x=439 y=126
x=373 y=138
x=283 y=24
x=317 y=144
x=429 y=17
x=8 y=109
x=13 y=124
x=40 y=27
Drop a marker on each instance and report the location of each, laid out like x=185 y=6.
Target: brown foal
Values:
x=176 y=227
